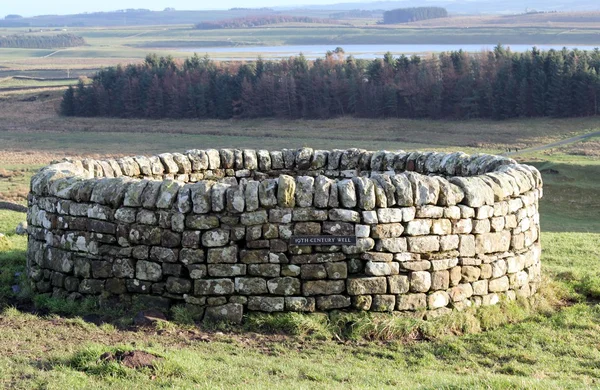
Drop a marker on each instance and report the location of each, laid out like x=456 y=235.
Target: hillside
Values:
x=468 y=7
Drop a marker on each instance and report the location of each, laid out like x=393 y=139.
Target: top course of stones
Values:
x=234 y=180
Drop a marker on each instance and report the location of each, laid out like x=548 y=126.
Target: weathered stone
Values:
x=215 y=238
x=317 y=258
x=499 y=284
x=411 y=302
x=347 y=193
x=284 y=286
x=191 y=256
x=344 y=215
x=304 y=191
x=254 y=218
x=223 y=255
x=178 y=285
x=330 y=302
x=304 y=158
x=309 y=214
x=254 y=256
x=266 y=304
x=146 y=270
x=461 y=292
x=336 y=270
x=419 y=227
x=366 y=285
x=286 y=191
x=197 y=271
x=423 y=244
x=440 y=280
x=164 y=255
x=362 y=245
x=438 y=299
x=231 y=312
x=404 y=192
x=250 y=159
x=301 y=304
x=390 y=215
x=476 y=192
x=218 y=196
x=391 y=230
x=492 y=242
x=394 y=245
x=225 y=270
x=202 y=222
x=417 y=265
x=381 y=268
x=267 y=270
x=323 y=287
x=168 y=194
x=365 y=189
x=338 y=228
x=420 y=281
x=235 y=199
x=251 y=198
x=313 y=271
x=213 y=287
x=289 y=269
x=470 y=273
x=322 y=191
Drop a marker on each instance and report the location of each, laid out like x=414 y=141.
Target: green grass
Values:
x=10 y=82
x=571 y=202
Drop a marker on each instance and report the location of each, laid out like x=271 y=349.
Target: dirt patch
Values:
x=132 y=359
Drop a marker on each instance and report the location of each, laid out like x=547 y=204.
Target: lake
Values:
x=358 y=51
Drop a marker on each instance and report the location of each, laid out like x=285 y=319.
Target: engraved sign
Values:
x=323 y=240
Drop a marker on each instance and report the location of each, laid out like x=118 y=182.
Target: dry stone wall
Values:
x=211 y=229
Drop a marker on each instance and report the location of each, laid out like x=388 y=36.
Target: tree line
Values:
x=22 y=41
x=405 y=15
x=495 y=84
x=260 y=20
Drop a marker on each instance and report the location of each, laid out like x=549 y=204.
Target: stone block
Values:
x=420 y=281
x=266 y=304
x=330 y=302
x=323 y=287
x=366 y=285
x=230 y=312
x=301 y=304
x=284 y=286
x=412 y=302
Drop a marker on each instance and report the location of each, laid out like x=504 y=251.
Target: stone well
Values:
x=214 y=229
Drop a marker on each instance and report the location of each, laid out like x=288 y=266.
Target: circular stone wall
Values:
x=214 y=229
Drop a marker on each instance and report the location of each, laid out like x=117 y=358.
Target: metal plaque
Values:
x=323 y=240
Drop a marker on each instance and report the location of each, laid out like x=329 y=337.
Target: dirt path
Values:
x=54 y=52
x=554 y=144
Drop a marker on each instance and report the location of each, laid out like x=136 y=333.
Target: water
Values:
x=358 y=51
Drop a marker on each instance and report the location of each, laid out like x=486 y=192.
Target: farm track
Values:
x=563 y=142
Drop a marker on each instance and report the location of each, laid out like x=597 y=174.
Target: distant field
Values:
x=10 y=82
x=111 y=45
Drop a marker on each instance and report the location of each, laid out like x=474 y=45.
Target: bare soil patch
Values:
x=132 y=359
